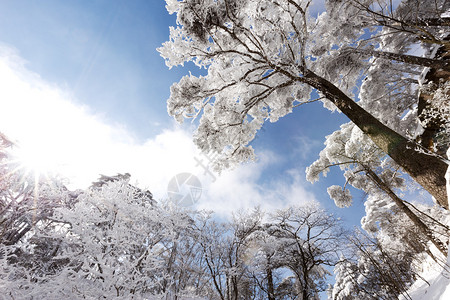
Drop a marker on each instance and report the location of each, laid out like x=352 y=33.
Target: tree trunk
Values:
x=228 y=287
x=412 y=216
x=305 y=294
x=270 y=288
x=429 y=115
x=172 y=257
x=428 y=22
x=409 y=59
x=427 y=170
x=213 y=275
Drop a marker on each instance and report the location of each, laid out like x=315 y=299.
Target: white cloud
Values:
x=304 y=146
x=240 y=189
x=317 y=7
x=57 y=134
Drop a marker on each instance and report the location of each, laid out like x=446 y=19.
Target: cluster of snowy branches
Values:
x=265 y=58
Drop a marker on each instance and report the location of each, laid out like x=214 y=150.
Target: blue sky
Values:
x=84 y=78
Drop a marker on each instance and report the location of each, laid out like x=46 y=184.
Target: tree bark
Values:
x=428 y=22
x=404 y=208
x=427 y=170
x=429 y=115
x=270 y=288
x=213 y=276
x=405 y=58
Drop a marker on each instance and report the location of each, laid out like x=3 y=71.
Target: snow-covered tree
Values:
x=288 y=254
x=225 y=246
x=27 y=204
x=264 y=257
x=394 y=83
x=114 y=241
x=384 y=261
x=263 y=58
x=345 y=277
x=375 y=269
x=313 y=239
x=25 y=199
x=404 y=101
x=400 y=228
x=367 y=168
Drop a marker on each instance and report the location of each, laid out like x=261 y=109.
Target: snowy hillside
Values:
x=439 y=283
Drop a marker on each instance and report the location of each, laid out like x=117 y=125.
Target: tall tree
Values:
x=263 y=58
x=314 y=241
x=299 y=242
x=378 y=268
x=366 y=169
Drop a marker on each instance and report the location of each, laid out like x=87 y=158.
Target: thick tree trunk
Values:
x=404 y=208
x=425 y=169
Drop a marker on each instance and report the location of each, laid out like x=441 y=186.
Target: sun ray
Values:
x=35 y=197
x=28 y=170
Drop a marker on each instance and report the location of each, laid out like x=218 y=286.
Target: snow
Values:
x=446 y=14
x=439 y=288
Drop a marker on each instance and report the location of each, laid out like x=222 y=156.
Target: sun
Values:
x=37 y=159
